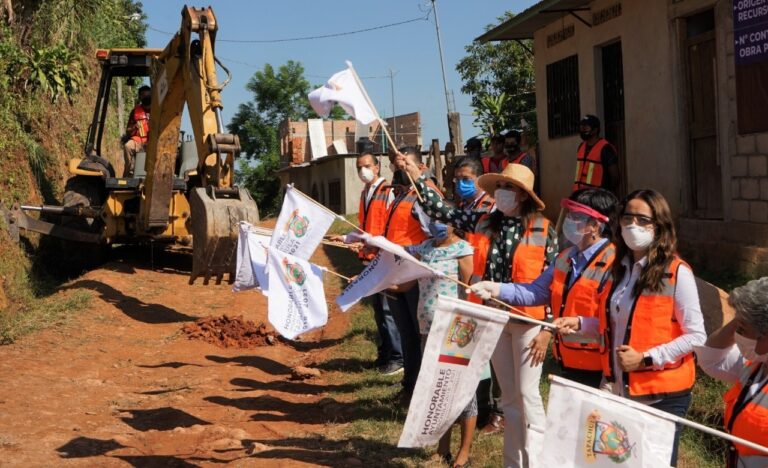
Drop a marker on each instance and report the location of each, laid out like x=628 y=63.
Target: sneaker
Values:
x=392 y=368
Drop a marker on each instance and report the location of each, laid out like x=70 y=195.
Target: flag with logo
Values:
x=301 y=225
x=251 y=270
x=344 y=89
x=393 y=265
x=461 y=341
x=296 y=296
x=589 y=427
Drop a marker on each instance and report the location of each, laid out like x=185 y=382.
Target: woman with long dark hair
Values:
x=650 y=314
x=517 y=243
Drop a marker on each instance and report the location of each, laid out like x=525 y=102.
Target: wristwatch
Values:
x=647 y=361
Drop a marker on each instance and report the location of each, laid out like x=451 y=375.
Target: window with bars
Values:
x=334 y=195
x=563 y=108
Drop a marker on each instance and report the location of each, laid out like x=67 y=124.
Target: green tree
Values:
x=492 y=69
x=277 y=95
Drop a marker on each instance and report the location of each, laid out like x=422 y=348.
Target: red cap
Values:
x=576 y=207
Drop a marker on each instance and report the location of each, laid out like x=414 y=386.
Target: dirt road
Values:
x=120 y=385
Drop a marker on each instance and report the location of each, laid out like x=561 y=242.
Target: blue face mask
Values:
x=438 y=231
x=466 y=188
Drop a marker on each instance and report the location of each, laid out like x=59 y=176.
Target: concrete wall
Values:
x=651 y=114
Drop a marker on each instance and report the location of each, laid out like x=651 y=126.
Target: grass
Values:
x=372 y=437
x=42 y=313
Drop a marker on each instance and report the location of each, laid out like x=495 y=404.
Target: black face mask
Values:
x=586 y=135
x=510 y=149
x=399 y=178
x=146 y=101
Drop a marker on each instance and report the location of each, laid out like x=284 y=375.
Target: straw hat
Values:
x=517 y=174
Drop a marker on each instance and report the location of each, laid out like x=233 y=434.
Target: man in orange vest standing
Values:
x=137 y=131
x=597 y=163
x=506 y=150
x=408 y=224
x=375 y=200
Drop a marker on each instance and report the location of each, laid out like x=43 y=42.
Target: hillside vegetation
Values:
x=48 y=81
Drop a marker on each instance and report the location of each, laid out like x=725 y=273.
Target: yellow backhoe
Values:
x=179 y=192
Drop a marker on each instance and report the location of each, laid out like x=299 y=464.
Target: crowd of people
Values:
x=624 y=302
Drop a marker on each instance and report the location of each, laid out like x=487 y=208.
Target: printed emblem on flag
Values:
x=294 y=272
x=298 y=225
x=606 y=438
x=460 y=335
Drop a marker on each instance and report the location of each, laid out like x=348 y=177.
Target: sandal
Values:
x=467 y=464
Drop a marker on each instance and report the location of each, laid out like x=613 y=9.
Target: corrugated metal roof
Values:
x=524 y=24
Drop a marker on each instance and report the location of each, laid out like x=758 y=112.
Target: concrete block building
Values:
x=682 y=97
x=332 y=180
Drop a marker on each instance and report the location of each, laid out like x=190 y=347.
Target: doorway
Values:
x=613 y=105
x=705 y=174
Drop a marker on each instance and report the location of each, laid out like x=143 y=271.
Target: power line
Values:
x=308 y=38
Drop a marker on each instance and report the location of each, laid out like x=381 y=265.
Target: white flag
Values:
x=343 y=88
x=301 y=225
x=393 y=265
x=296 y=296
x=589 y=427
x=461 y=341
x=251 y=259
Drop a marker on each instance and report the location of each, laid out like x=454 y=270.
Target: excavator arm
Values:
x=185 y=73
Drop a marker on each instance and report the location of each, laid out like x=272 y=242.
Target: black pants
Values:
x=389 y=349
x=404 y=311
x=488 y=399
x=677 y=406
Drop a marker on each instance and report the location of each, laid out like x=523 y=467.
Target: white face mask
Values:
x=636 y=237
x=572 y=231
x=366 y=174
x=747 y=348
x=506 y=201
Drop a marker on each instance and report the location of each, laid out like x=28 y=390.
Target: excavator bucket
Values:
x=216 y=214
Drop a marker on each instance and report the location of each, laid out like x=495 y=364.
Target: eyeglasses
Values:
x=628 y=218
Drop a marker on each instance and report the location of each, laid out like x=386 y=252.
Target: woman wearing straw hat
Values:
x=518 y=243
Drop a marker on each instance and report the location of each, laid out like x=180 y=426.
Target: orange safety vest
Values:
x=483 y=203
x=402 y=226
x=651 y=323
x=576 y=351
x=589 y=167
x=747 y=417
x=138 y=122
x=486 y=162
x=527 y=260
x=373 y=215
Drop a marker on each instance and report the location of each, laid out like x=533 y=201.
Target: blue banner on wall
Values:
x=750 y=31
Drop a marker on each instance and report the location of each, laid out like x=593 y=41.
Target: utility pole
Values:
x=454 y=122
x=392 y=74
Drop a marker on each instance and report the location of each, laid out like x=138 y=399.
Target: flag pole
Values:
x=659 y=413
x=381 y=122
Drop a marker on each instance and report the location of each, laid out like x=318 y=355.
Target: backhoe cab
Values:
x=180 y=191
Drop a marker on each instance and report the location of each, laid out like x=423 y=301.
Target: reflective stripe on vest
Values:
x=577 y=351
x=527 y=261
x=589 y=167
x=140 y=120
x=651 y=323
x=373 y=217
x=747 y=417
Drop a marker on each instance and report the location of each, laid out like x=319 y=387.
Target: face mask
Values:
x=506 y=201
x=466 y=188
x=636 y=237
x=146 y=101
x=585 y=135
x=438 y=231
x=572 y=231
x=510 y=149
x=747 y=348
x=366 y=174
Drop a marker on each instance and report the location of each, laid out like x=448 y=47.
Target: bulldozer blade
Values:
x=215 y=230
x=16 y=219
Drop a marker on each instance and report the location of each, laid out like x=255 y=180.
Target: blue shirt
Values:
x=538 y=292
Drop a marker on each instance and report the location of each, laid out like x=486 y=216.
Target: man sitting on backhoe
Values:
x=137 y=131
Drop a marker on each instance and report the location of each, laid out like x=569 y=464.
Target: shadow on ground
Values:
x=132 y=307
